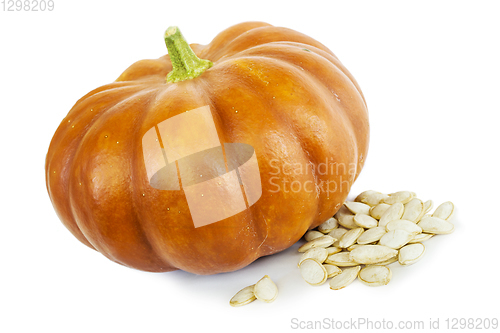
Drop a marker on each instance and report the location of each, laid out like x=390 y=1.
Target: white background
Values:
x=430 y=72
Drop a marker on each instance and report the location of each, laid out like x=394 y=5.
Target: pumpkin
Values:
x=273 y=89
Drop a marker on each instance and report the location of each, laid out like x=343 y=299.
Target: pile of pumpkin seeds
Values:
x=367 y=235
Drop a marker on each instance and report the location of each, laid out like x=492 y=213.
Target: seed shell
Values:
x=401 y=196
x=333 y=249
x=318 y=253
x=345 y=278
x=403 y=225
x=392 y=213
x=413 y=210
x=371 y=235
x=371 y=198
x=328 y=225
x=350 y=237
x=395 y=239
x=365 y=221
x=371 y=254
x=347 y=221
x=357 y=207
x=337 y=233
x=375 y=275
x=378 y=210
x=313 y=272
x=332 y=270
x=312 y=234
x=243 y=297
x=411 y=253
x=341 y=259
x=420 y=238
x=444 y=210
x=435 y=225
x=323 y=241
x=265 y=290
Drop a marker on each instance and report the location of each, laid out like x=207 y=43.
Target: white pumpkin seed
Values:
x=409 y=226
x=313 y=272
x=365 y=221
x=312 y=234
x=347 y=221
x=444 y=210
x=393 y=213
x=413 y=210
x=323 y=241
x=353 y=246
x=371 y=235
x=333 y=249
x=243 y=297
x=345 y=278
x=341 y=259
x=388 y=261
x=428 y=206
x=328 y=225
x=377 y=211
x=357 y=207
x=318 y=253
x=265 y=290
x=435 y=225
x=420 y=238
x=337 y=233
x=332 y=270
x=371 y=198
x=371 y=254
x=375 y=275
x=401 y=196
x=395 y=239
x=411 y=253
x=350 y=237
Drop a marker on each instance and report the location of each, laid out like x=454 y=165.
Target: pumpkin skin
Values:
x=298 y=107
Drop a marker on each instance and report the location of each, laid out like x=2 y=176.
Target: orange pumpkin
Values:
x=274 y=89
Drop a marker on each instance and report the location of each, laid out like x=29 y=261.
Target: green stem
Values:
x=185 y=64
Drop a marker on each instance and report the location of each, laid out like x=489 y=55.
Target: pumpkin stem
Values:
x=185 y=64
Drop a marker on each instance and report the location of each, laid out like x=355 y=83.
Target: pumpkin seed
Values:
x=337 y=233
x=341 y=259
x=332 y=270
x=353 y=246
x=333 y=249
x=345 y=278
x=413 y=210
x=371 y=254
x=313 y=272
x=243 y=297
x=401 y=196
x=444 y=210
x=365 y=221
x=378 y=210
x=371 y=235
x=312 y=234
x=428 y=206
x=435 y=225
x=328 y=225
x=392 y=213
x=350 y=237
x=265 y=290
x=318 y=253
x=357 y=207
x=410 y=254
x=347 y=221
x=388 y=261
x=371 y=198
x=395 y=239
x=375 y=275
x=403 y=225
x=420 y=238
x=323 y=241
